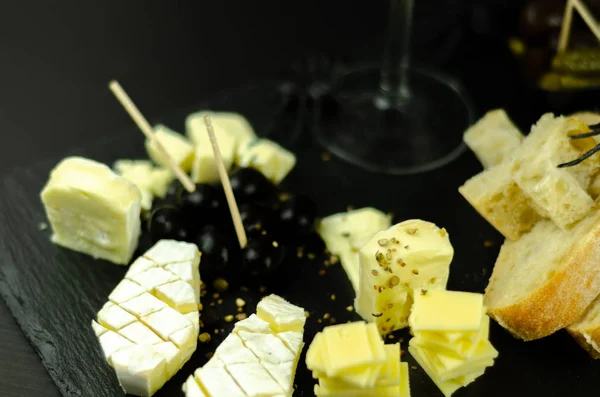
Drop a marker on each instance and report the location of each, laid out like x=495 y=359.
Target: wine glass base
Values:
x=411 y=136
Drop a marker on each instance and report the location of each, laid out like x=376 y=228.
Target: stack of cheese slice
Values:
x=258 y=358
x=351 y=360
x=451 y=337
x=346 y=232
x=149 y=328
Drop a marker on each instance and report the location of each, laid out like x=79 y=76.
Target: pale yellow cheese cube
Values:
x=346 y=232
x=93 y=210
x=179 y=295
x=140 y=334
x=268 y=157
x=175 y=144
x=440 y=310
x=141 y=371
x=411 y=254
x=280 y=314
x=138 y=172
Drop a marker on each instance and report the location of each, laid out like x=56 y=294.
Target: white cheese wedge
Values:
x=152 y=181
x=236 y=125
x=346 y=232
x=259 y=359
x=149 y=328
x=268 y=157
x=93 y=210
x=175 y=144
x=204 y=168
x=414 y=254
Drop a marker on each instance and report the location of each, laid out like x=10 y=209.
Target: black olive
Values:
x=218 y=251
x=296 y=219
x=261 y=258
x=256 y=219
x=167 y=223
x=250 y=186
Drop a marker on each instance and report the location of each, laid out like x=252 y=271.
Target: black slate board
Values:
x=54 y=293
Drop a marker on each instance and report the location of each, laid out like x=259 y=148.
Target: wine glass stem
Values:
x=394 y=84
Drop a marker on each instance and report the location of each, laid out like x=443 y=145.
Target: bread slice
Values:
x=586 y=330
x=493 y=138
x=544 y=281
x=557 y=193
x=497 y=198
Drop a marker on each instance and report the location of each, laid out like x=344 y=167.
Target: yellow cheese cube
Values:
x=175 y=144
x=448 y=367
x=411 y=254
x=271 y=159
x=204 y=168
x=93 y=210
x=314 y=355
x=439 y=310
x=405 y=382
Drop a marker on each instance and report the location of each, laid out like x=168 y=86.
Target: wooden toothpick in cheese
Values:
x=149 y=328
x=175 y=144
x=258 y=359
x=346 y=232
x=93 y=210
x=411 y=254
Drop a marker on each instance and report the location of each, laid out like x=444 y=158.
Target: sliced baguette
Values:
x=493 y=138
x=497 y=198
x=557 y=193
x=544 y=281
x=586 y=330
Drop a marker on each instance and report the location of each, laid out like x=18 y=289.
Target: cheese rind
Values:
x=346 y=232
x=93 y=210
x=411 y=254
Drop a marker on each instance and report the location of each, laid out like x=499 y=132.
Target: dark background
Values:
x=56 y=58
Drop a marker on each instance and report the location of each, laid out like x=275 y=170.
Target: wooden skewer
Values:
x=587 y=17
x=147 y=130
x=565 y=28
x=233 y=207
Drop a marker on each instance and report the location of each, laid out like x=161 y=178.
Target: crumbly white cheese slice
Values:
x=149 y=328
x=93 y=210
x=260 y=360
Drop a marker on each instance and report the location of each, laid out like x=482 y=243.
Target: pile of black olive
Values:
x=276 y=224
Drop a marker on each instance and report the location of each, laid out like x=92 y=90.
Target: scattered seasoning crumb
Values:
x=423 y=292
x=402 y=353
x=202 y=285
x=381 y=288
x=240 y=309
x=488 y=243
x=306 y=314
x=211 y=304
x=393 y=240
x=229 y=318
x=406 y=247
x=401 y=340
x=200 y=307
x=319 y=320
x=300 y=252
x=412 y=231
x=216 y=332
x=390 y=215
x=387 y=320
x=413 y=367
x=322 y=272
x=334 y=259
x=332 y=297
x=388 y=255
x=332 y=320
x=245 y=289
x=326 y=316
x=325 y=156
x=264 y=233
x=311 y=256
x=383 y=242
x=349 y=207
x=284 y=197
x=346 y=234
x=204 y=337
x=275 y=244
x=262 y=288
x=42 y=226
x=215 y=295
x=394 y=280
x=220 y=284
x=415 y=271
x=376 y=314
x=401 y=262
x=241 y=316
x=209 y=355
x=349 y=308
x=219 y=301
x=374 y=272
x=390 y=336
x=239 y=302
x=390 y=305
x=203 y=293
x=432 y=280
x=354 y=249
x=443 y=232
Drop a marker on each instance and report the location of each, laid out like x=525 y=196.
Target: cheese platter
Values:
x=186 y=311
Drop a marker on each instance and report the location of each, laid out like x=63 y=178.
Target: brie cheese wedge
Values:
x=259 y=358
x=93 y=210
x=149 y=328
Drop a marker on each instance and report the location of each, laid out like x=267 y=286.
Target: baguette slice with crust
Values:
x=586 y=330
x=544 y=281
